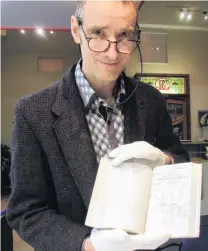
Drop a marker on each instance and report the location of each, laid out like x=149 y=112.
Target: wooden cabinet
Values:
x=178 y=112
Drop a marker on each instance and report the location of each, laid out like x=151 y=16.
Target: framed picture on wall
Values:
x=175 y=89
x=167 y=83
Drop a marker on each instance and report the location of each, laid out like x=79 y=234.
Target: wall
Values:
x=187 y=54
x=19 y=75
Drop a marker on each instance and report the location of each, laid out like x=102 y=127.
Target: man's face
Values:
x=112 y=20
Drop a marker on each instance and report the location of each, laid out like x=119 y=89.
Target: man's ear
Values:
x=75 y=30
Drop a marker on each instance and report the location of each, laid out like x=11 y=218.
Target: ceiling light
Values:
x=40 y=32
x=182 y=14
x=51 y=32
x=205 y=15
x=22 y=31
x=158 y=48
x=189 y=17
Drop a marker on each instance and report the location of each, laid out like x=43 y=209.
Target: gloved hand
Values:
x=139 y=150
x=119 y=240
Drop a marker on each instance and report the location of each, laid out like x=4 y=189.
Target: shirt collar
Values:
x=86 y=91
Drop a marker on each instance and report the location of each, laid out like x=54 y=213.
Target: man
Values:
x=61 y=133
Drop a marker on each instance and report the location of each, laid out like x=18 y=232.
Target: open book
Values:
x=142 y=200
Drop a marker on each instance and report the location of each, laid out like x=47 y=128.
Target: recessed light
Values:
x=189 y=17
x=51 y=32
x=40 y=32
x=205 y=15
x=158 y=48
x=182 y=14
x=22 y=31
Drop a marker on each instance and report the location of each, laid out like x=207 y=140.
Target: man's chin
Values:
x=108 y=75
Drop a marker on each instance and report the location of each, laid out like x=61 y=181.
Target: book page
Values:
x=170 y=200
x=120 y=197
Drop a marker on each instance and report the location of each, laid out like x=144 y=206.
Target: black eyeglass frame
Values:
x=137 y=42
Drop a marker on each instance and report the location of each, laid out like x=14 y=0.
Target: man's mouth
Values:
x=110 y=64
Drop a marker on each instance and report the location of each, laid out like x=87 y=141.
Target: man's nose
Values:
x=112 y=52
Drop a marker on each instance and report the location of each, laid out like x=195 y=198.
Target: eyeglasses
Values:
x=125 y=46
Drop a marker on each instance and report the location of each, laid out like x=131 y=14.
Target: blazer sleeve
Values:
x=29 y=208
x=166 y=139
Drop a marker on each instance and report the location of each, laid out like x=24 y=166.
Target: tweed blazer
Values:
x=54 y=164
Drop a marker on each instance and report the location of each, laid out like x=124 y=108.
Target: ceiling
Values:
x=167 y=13
x=47 y=14
x=56 y=14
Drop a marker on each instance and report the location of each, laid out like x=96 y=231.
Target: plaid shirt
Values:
x=107 y=132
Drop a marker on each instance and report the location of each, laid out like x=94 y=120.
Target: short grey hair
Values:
x=80 y=4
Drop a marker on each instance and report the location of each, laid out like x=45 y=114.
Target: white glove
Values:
x=119 y=240
x=139 y=150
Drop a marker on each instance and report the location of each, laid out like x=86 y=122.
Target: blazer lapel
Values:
x=74 y=137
